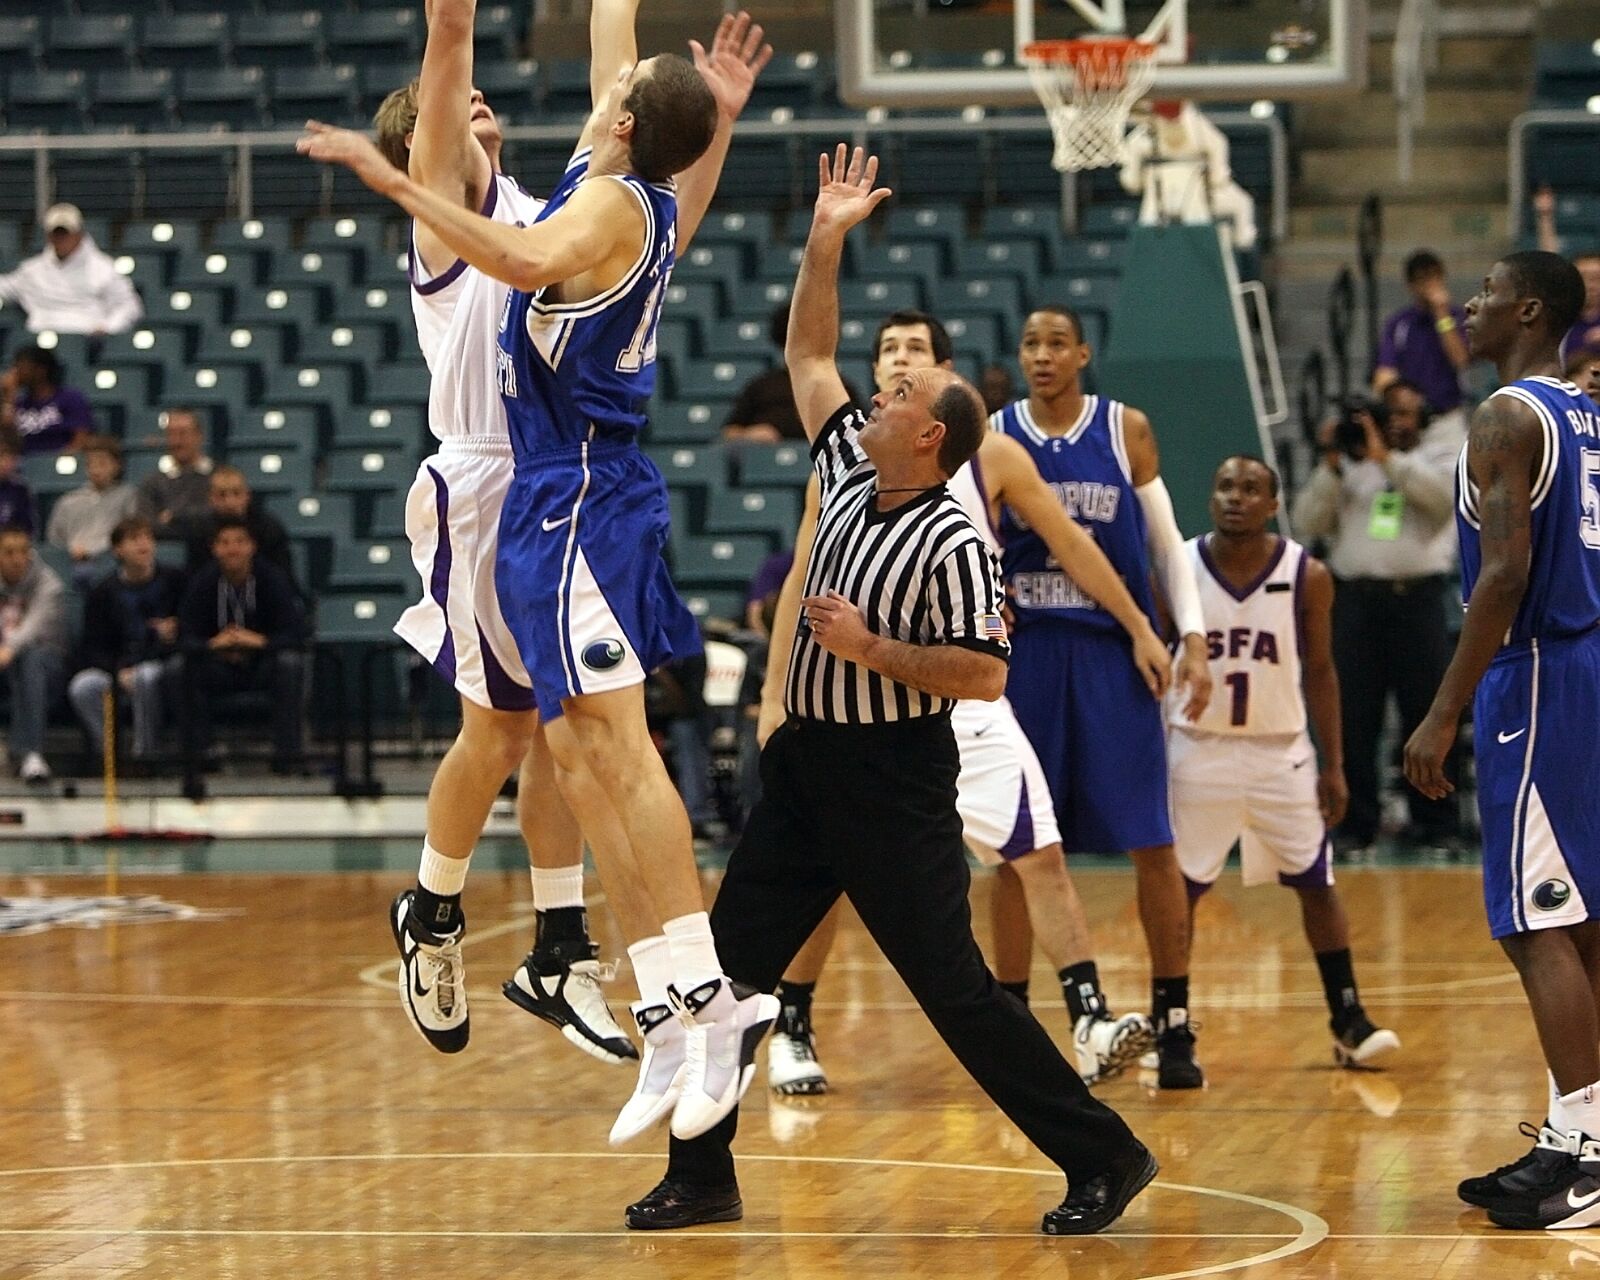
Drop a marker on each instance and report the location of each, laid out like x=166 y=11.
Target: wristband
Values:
x=1445 y=324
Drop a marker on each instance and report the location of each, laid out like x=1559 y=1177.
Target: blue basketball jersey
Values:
x=1087 y=469
x=1563 y=595
x=575 y=371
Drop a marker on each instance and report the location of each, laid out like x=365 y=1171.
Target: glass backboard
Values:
x=925 y=53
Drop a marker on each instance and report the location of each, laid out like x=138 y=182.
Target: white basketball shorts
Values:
x=1260 y=791
x=1002 y=795
x=453 y=521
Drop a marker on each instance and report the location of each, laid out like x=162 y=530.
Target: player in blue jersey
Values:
x=1528 y=514
x=1078 y=693
x=580 y=574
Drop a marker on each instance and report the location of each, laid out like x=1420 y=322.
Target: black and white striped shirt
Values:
x=921 y=573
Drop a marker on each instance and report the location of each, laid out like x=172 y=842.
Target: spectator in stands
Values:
x=47 y=415
x=997 y=387
x=1583 y=369
x=1585 y=331
x=16 y=499
x=1425 y=345
x=231 y=499
x=81 y=522
x=242 y=629
x=764 y=412
x=33 y=647
x=130 y=634
x=73 y=286
x=176 y=498
x=1387 y=509
x=761 y=599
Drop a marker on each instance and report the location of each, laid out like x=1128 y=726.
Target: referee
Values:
x=859 y=786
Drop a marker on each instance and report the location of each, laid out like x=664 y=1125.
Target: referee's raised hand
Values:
x=838 y=626
x=846 y=194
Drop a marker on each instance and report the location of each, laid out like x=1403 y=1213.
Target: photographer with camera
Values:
x=1384 y=501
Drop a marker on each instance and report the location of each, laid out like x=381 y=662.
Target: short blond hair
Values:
x=395 y=121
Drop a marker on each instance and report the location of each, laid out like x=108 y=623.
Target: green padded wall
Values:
x=1174 y=351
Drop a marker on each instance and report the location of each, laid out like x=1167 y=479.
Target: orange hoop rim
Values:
x=1111 y=54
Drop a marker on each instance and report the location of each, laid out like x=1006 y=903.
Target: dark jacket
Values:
x=117 y=616
x=16 y=506
x=271 y=538
x=269 y=600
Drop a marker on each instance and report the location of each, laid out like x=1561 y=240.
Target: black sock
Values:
x=1080 y=984
x=560 y=937
x=1167 y=994
x=795 y=997
x=1018 y=989
x=1339 y=983
x=436 y=912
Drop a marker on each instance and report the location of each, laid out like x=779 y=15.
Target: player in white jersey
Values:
x=442 y=132
x=1002 y=795
x=1246 y=769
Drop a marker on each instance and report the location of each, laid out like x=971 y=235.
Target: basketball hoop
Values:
x=1088 y=87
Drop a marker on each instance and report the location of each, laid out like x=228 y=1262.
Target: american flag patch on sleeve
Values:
x=991 y=626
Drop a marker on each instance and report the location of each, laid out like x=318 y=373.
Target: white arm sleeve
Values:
x=1166 y=552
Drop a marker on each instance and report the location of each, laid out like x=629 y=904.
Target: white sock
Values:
x=558 y=887
x=1557 y=1115
x=694 y=953
x=652 y=968
x=441 y=875
x=1581 y=1110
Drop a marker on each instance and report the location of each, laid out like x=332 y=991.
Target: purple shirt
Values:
x=1411 y=344
x=48 y=425
x=769 y=577
x=1582 y=336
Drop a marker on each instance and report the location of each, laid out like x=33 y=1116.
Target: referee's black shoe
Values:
x=1095 y=1203
x=680 y=1204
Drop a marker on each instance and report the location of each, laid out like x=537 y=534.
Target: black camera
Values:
x=1350 y=437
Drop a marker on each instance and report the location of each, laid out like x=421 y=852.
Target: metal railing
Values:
x=1416 y=52
x=246 y=147
x=1517 y=156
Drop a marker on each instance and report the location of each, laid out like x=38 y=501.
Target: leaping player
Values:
x=580 y=578
x=1244 y=771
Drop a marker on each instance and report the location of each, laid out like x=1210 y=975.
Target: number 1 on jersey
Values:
x=641 y=351
x=1238 y=683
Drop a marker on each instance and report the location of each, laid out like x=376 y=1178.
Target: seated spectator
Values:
x=764 y=412
x=242 y=629
x=761 y=599
x=81 y=522
x=33 y=647
x=130 y=632
x=231 y=499
x=176 y=497
x=1583 y=369
x=1425 y=345
x=997 y=387
x=73 y=286
x=46 y=415
x=1585 y=331
x=16 y=499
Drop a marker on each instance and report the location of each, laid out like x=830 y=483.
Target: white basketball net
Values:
x=1088 y=87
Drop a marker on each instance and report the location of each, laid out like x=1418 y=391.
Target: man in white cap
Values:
x=72 y=286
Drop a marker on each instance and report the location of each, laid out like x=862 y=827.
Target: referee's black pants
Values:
x=870 y=811
x=1389 y=637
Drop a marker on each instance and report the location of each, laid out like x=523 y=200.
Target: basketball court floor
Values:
x=233 y=1091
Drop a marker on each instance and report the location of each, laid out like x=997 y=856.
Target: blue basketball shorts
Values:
x=582 y=577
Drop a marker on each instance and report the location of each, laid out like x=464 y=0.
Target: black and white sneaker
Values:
x=433 y=979
x=1569 y=1198
x=1176 y=1067
x=723 y=1024
x=1093 y=1204
x=792 y=1066
x=560 y=983
x=1533 y=1175
x=1103 y=1046
x=1359 y=1043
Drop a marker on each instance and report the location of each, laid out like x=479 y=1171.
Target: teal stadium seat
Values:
x=691 y=467
x=274 y=471
x=944 y=224
x=718 y=379
x=213 y=269
x=739 y=340
x=123 y=395
x=690 y=422
x=92 y=42
x=293 y=427
x=372 y=563
x=331 y=388
x=726 y=606
x=194 y=306
x=510 y=86
x=139 y=99
x=394 y=35
x=218 y=97
x=359 y=617
x=873 y=299
x=1110 y=219
x=278 y=39
x=181 y=41
x=369 y=470
x=773 y=513
x=329 y=516
x=46 y=100
x=727 y=264
x=922 y=261
x=384 y=424
x=1022 y=260
x=159 y=235
x=316 y=93
x=753 y=229
x=1084 y=256
x=707 y=561
x=698 y=300
x=388 y=517
x=776 y=464
x=261 y=346
x=376 y=79
x=364 y=345
x=298 y=305
x=758 y=303
x=21 y=37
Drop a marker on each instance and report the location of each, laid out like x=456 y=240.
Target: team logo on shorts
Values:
x=604 y=655
x=1552 y=895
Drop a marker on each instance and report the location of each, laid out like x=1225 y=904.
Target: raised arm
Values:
x=1012 y=475
x=845 y=197
x=1321 y=680
x=730 y=69
x=1504 y=449
x=601 y=224
x=613 y=48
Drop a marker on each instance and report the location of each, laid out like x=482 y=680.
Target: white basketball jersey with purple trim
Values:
x=457 y=313
x=968 y=488
x=1254 y=645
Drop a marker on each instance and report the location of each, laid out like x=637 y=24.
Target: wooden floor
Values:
x=242 y=1097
